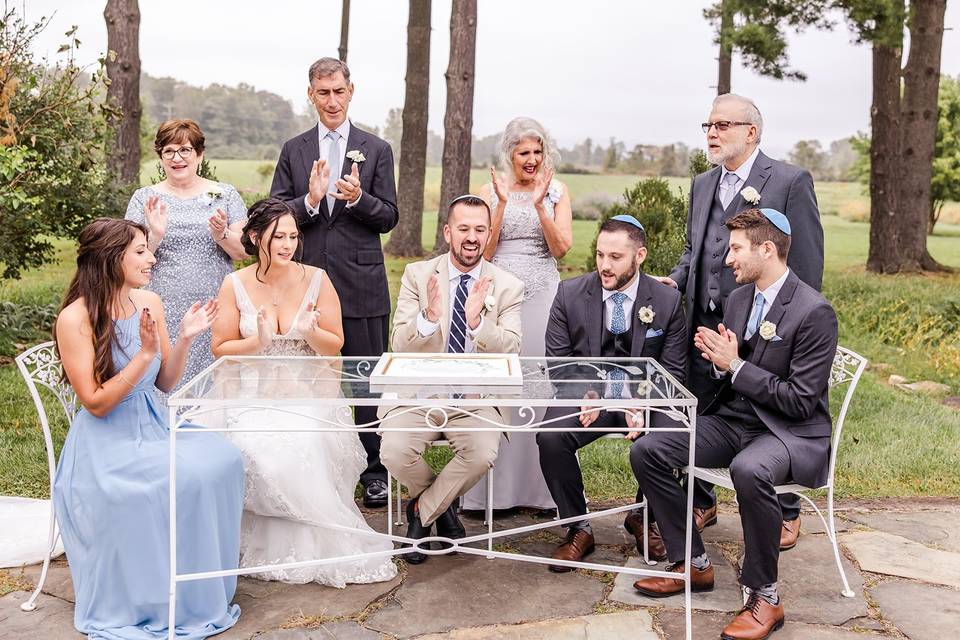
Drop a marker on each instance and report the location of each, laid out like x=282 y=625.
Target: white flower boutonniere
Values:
x=646 y=314
x=488 y=302
x=768 y=330
x=356 y=156
x=751 y=195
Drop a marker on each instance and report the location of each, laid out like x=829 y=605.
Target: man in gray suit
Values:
x=744 y=176
x=770 y=423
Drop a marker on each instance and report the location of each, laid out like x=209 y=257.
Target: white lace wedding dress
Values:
x=298 y=482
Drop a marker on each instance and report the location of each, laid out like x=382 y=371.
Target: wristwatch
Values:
x=426 y=317
x=735 y=365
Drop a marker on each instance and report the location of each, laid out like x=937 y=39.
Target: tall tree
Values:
x=406 y=238
x=344 y=30
x=123 y=91
x=458 y=120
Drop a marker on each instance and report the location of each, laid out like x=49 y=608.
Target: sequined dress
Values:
x=190 y=265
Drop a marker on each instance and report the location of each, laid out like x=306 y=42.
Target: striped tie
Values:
x=458 y=323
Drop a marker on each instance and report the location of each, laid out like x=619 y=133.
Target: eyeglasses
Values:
x=723 y=125
x=184 y=152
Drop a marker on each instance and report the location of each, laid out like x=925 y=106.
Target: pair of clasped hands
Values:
x=590 y=414
x=348 y=186
x=267 y=324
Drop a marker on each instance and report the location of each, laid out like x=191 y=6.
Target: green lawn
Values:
x=894 y=444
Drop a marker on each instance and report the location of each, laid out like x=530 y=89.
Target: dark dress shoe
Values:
x=415 y=530
x=789 y=534
x=756 y=621
x=449 y=525
x=704 y=518
x=578 y=545
x=700 y=580
x=375 y=494
x=655 y=548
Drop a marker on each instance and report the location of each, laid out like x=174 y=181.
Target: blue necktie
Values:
x=457 y=341
x=754 y=325
x=333 y=163
x=618 y=325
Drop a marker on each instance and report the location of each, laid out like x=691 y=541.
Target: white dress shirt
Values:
x=322 y=131
x=742 y=172
x=426 y=328
x=608 y=304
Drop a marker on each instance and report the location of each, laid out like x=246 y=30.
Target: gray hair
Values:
x=751 y=112
x=519 y=129
x=326 y=67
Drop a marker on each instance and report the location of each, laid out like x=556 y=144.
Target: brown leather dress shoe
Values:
x=789 y=534
x=656 y=587
x=578 y=545
x=704 y=518
x=756 y=621
x=655 y=548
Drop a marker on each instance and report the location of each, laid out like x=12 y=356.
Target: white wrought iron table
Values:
x=332 y=385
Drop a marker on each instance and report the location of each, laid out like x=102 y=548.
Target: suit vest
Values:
x=715 y=281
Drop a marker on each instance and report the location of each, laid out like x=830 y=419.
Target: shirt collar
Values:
x=456 y=273
x=743 y=171
x=630 y=292
x=343 y=129
x=770 y=293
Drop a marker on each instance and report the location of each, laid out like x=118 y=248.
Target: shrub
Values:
x=591 y=206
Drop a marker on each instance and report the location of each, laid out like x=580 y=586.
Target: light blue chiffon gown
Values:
x=111 y=499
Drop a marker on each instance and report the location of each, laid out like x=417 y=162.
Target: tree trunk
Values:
x=885 y=216
x=344 y=30
x=458 y=120
x=406 y=238
x=918 y=131
x=726 y=49
x=123 y=93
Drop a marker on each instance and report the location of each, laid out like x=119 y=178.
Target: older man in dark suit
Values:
x=744 y=177
x=339 y=181
x=770 y=423
x=618 y=311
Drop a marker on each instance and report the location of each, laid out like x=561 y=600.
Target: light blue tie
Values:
x=731 y=180
x=618 y=325
x=457 y=341
x=754 y=325
x=333 y=163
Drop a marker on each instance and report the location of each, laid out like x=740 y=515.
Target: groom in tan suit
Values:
x=455 y=303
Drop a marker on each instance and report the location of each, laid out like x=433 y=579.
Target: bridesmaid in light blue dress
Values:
x=111 y=489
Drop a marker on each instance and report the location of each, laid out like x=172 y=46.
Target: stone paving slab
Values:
x=348 y=630
x=728 y=527
x=707 y=626
x=886 y=553
x=636 y=625
x=58 y=582
x=51 y=620
x=487 y=592
x=938 y=529
x=921 y=611
x=810 y=584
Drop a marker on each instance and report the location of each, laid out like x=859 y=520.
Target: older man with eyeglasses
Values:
x=744 y=177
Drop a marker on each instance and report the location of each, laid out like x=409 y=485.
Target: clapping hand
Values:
x=199 y=318
x=475 y=301
x=541 y=184
x=319 y=181
x=592 y=413
x=149 y=336
x=264 y=329
x=155 y=213
x=433 y=299
x=348 y=187
x=217 y=225
x=309 y=320
x=719 y=347
x=499 y=186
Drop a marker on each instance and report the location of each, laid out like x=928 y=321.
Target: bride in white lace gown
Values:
x=297 y=484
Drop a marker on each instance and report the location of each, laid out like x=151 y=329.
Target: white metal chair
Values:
x=848 y=366
x=41 y=365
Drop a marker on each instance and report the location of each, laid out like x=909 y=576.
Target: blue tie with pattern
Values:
x=754 y=325
x=333 y=163
x=457 y=341
x=618 y=325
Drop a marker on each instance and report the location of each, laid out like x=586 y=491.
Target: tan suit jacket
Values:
x=499 y=332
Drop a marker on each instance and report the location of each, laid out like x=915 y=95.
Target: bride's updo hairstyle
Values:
x=262 y=218
x=519 y=129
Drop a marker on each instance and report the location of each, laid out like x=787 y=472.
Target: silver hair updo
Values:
x=520 y=128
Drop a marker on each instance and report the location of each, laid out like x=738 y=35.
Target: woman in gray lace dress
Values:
x=195 y=227
x=531 y=227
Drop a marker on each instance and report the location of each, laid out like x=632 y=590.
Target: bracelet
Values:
x=124 y=378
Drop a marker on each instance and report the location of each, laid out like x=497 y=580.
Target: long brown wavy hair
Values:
x=98 y=280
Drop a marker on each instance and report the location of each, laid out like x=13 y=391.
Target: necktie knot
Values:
x=333 y=135
x=465 y=279
x=731 y=179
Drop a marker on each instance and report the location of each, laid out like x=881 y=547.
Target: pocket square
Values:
x=776 y=339
x=653 y=333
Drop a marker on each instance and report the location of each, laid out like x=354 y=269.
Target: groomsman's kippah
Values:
x=778 y=219
x=631 y=220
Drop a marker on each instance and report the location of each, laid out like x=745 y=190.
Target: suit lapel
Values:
x=593 y=315
x=759 y=173
x=712 y=180
x=442 y=271
x=644 y=298
x=309 y=149
x=776 y=313
x=356 y=140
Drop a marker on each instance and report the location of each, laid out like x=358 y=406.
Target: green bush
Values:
x=22 y=325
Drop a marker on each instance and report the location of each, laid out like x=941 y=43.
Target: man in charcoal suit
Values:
x=617 y=311
x=339 y=181
x=770 y=422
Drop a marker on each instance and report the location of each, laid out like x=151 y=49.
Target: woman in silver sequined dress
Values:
x=531 y=228
x=194 y=226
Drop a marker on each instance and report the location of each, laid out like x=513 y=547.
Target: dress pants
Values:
x=757 y=459
x=474 y=454
x=367 y=337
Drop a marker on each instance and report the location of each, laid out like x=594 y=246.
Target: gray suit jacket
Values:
x=783 y=187
x=786 y=381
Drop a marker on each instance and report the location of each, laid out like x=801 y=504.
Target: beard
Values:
x=626 y=276
x=733 y=150
x=748 y=273
x=463 y=260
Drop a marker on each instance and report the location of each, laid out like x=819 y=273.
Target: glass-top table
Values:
x=326 y=388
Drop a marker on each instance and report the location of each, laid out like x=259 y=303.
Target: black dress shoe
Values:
x=415 y=530
x=375 y=494
x=449 y=525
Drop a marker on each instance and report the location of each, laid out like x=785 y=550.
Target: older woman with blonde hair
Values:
x=195 y=227
x=531 y=228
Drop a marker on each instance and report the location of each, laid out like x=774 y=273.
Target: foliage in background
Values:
x=53 y=131
x=23 y=325
x=206 y=170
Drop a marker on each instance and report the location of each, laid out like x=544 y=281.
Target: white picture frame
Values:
x=473 y=369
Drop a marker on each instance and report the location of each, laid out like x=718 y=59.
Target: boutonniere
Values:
x=488 y=302
x=768 y=330
x=751 y=195
x=646 y=314
x=356 y=156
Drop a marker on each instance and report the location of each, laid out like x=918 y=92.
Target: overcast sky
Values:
x=641 y=71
